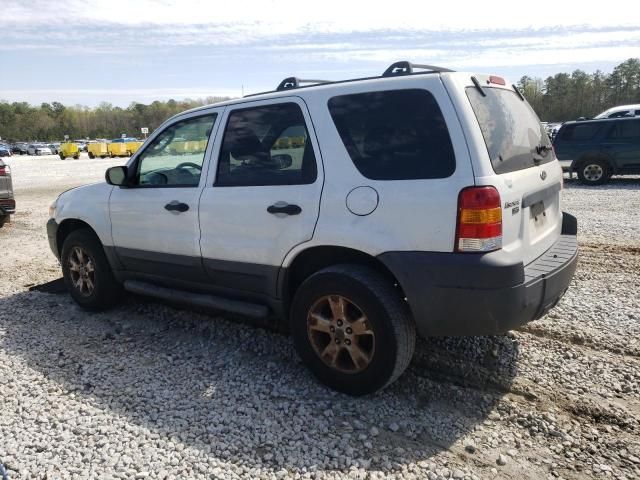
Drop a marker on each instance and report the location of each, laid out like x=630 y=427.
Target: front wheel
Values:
x=594 y=172
x=91 y=155
x=352 y=329
x=87 y=273
x=62 y=157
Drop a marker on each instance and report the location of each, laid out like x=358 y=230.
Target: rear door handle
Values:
x=286 y=208
x=176 y=206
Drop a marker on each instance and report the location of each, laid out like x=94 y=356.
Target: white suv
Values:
x=354 y=213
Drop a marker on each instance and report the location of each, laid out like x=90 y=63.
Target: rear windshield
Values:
x=511 y=130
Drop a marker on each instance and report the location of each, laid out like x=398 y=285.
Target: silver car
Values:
x=38 y=149
x=7 y=202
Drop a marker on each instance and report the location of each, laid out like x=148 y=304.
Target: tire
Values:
x=4 y=219
x=91 y=155
x=106 y=290
x=76 y=157
x=384 y=352
x=62 y=157
x=594 y=172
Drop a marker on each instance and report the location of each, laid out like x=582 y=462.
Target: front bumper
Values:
x=466 y=294
x=52 y=235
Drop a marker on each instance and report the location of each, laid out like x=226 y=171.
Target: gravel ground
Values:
x=151 y=391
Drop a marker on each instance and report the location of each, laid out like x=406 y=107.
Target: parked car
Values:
x=38 y=149
x=598 y=149
x=5 y=150
x=55 y=148
x=19 y=148
x=7 y=202
x=620 y=112
x=420 y=202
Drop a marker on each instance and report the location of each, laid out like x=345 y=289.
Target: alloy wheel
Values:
x=341 y=334
x=593 y=172
x=82 y=271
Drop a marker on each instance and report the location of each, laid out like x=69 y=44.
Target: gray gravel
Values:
x=151 y=391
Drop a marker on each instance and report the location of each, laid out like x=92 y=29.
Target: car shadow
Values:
x=210 y=383
x=614 y=183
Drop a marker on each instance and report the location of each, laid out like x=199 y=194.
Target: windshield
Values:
x=513 y=134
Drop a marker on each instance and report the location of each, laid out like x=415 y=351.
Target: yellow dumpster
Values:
x=98 y=150
x=117 y=149
x=69 y=149
x=133 y=146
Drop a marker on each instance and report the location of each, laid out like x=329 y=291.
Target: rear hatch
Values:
x=520 y=164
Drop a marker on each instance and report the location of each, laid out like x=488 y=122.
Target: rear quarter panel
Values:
x=412 y=215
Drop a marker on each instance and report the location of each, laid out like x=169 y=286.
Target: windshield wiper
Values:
x=543 y=148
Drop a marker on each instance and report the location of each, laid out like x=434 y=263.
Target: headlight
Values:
x=52 y=208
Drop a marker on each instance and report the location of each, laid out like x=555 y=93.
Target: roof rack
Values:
x=293 y=82
x=406 y=68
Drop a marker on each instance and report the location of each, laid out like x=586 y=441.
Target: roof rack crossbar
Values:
x=406 y=68
x=294 y=82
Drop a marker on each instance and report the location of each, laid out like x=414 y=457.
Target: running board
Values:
x=252 y=310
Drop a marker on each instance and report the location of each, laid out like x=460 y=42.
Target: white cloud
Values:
x=269 y=18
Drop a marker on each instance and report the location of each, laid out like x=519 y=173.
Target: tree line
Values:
x=20 y=121
x=567 y=96
x=558 y=98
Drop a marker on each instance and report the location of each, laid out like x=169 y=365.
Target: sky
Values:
x=120 y=51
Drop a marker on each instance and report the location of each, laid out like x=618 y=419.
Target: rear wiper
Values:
x=543 y=148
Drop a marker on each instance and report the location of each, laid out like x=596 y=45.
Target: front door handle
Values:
x=286 y=208
x=176 y=206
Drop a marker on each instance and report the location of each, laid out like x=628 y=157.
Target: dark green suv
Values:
x=597 y=149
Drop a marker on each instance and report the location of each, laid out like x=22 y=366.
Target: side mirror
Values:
x=282 y=160
x=116 y=176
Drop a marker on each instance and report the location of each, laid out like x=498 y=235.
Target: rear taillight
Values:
x=479 y=226
x=4 y=171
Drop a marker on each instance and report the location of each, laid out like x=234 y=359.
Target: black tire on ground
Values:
x=76 y=157
x=3 y=219
x=62 y=157
x=91 y=155
x=594 y=171
x=106 y=290
x=370 y=295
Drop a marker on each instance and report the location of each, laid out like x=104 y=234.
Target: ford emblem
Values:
x=543 y=175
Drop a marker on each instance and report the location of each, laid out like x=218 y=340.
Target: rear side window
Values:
x=579 y=132
x=511 y=130
x=394 y=135
x=626 y=130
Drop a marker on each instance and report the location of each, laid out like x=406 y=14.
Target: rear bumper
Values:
x=7 y=206
x=52 y=235
x=467 y=294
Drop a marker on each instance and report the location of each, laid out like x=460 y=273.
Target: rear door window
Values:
x=394 y=134
x=267 y=145
x=512 y=131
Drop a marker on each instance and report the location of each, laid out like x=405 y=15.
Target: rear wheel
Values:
x=352 y=329
x=3 y=219
x=76 y=156
x=91 y=155
x=87 y=273
x=594 y=172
